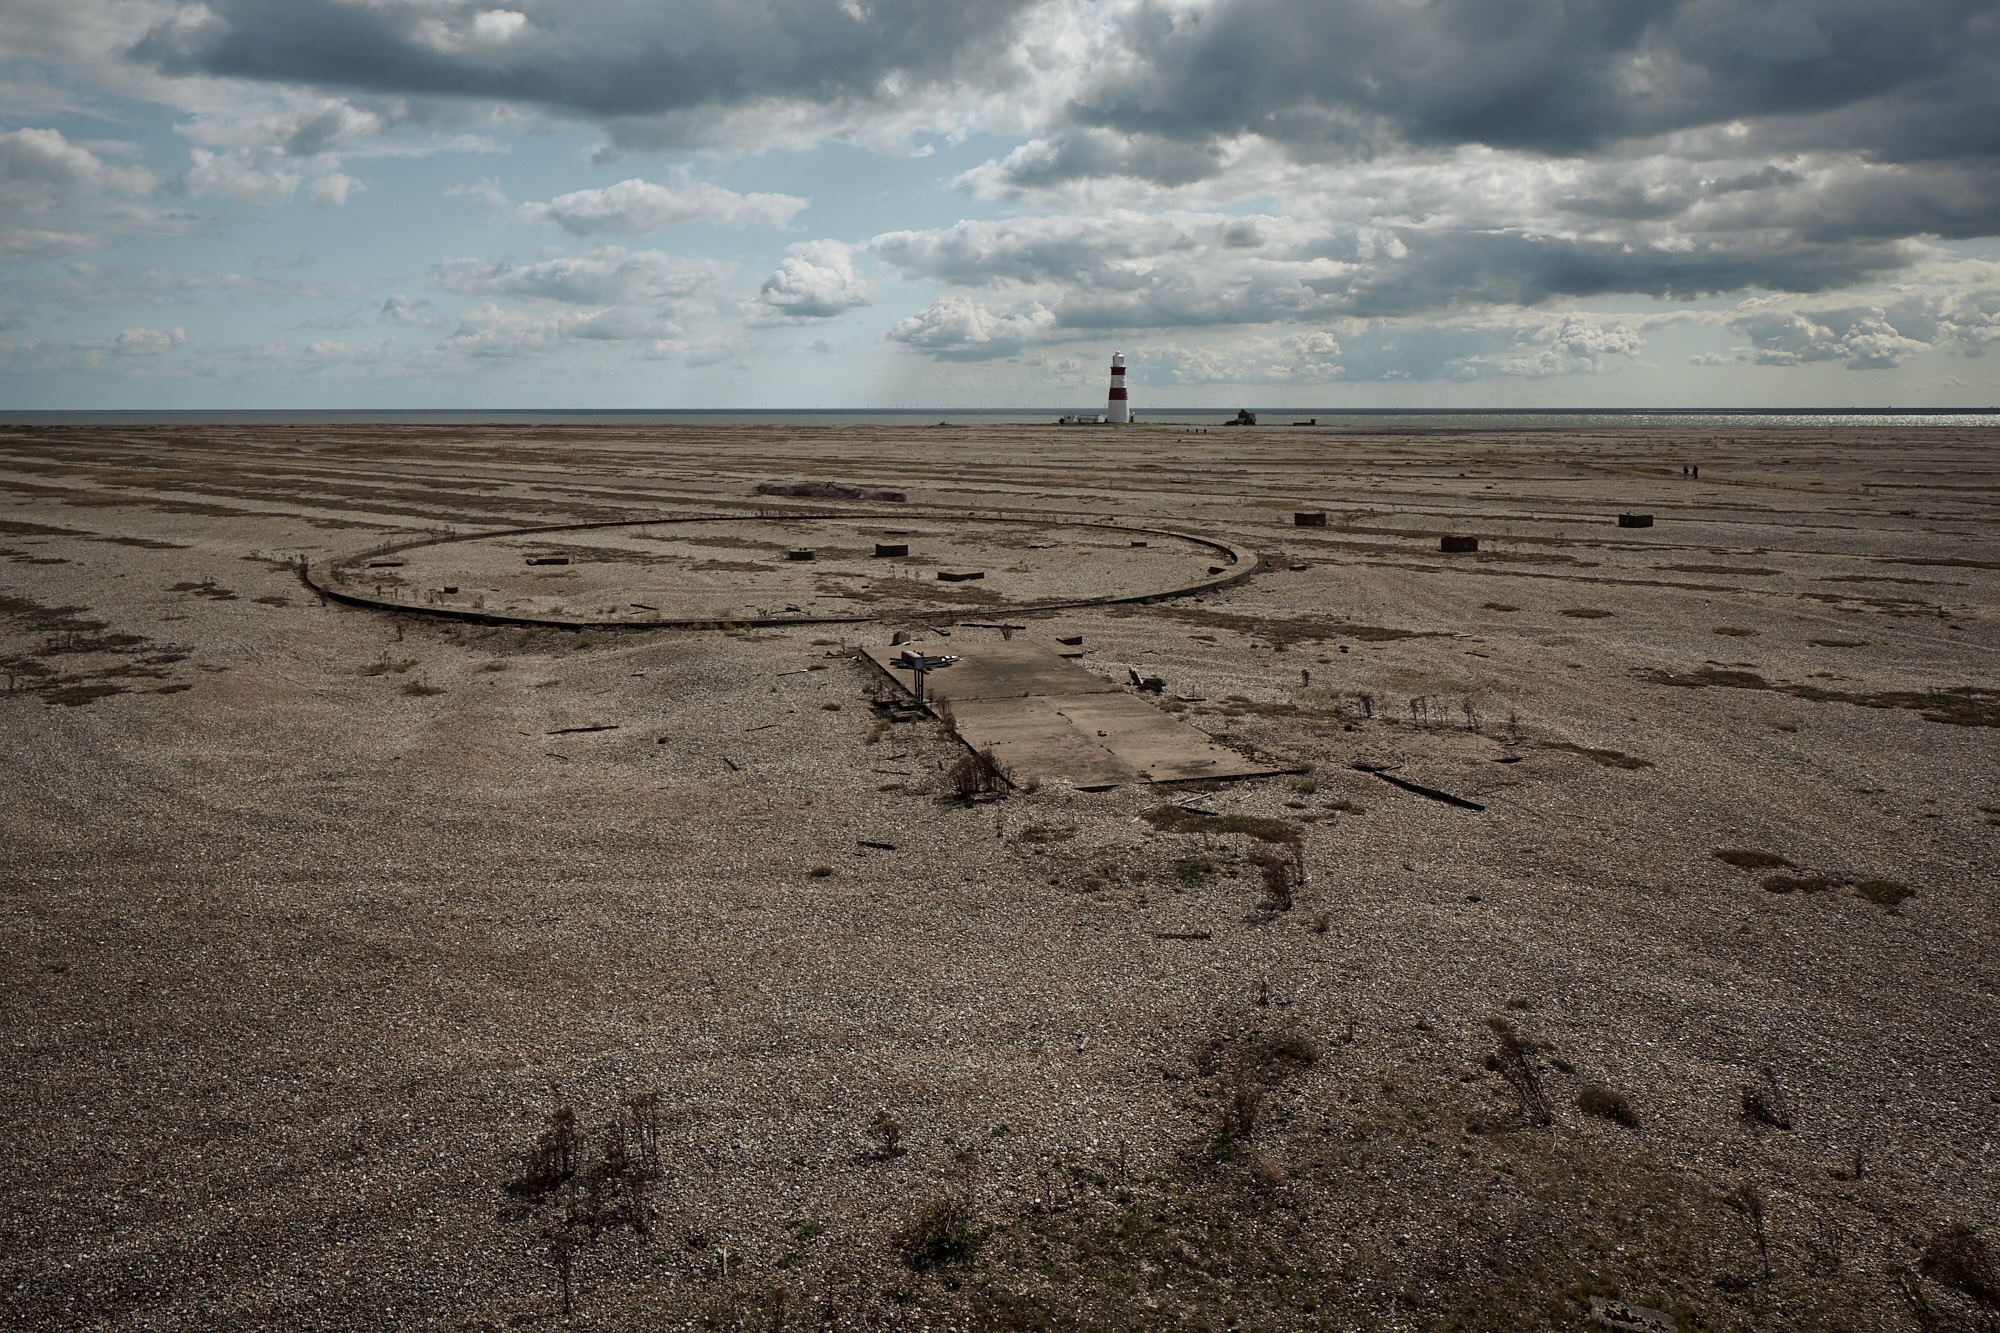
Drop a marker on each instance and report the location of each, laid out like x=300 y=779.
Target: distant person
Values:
x=1697 y=472
x=1684 y=469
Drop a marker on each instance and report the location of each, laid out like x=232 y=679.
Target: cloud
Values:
x=638 y=208
x=149 y=342
x=486 y=190
x=816 y=281
x=400 y=310
x=1128 y=269
x=491 y=332
x=610 y=275
x=133 y=351
x=88 y=284
x=1378 y=350
x=1864 y=339
x=264 y=176
x=953 y=328
x=601 y=60
x=1530 y=76
x=57 y=197
x=334 y=189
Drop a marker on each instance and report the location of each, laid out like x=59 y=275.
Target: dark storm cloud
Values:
x=594 y=58
x=1550 y=76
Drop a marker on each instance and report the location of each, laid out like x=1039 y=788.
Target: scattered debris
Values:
x=878 y=846
x=960 y=575
x=1181 y=935
x=1458 y=544
x=571 y=731
x=1309 y=519
x=1635 y=520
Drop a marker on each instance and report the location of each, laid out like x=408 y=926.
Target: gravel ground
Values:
x=315 y=916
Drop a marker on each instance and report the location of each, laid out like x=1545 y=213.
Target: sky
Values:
x=408 y=204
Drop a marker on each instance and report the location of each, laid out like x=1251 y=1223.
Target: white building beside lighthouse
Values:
x=1120 y=410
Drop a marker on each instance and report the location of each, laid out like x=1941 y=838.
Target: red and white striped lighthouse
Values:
x=1120 y=410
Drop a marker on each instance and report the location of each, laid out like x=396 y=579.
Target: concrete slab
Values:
x=1010 y=669
x=1045 y=717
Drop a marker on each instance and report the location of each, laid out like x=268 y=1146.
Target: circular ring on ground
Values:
x=702 y=572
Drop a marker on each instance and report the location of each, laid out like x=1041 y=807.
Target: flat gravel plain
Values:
x=374 y=970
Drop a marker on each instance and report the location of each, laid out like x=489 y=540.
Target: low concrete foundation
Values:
x=1044 y=717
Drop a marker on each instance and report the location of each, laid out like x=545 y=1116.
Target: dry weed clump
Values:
x=1747 y=1199
x=1512 y=1059
x=978 y=773
x=592 y=1196
x=887 y=1131
x=1262 y=1064
x=940 y=1234
x=1283 y=871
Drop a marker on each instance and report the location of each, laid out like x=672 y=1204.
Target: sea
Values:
x=1384 y=419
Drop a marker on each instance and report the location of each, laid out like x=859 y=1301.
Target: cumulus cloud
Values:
x=57 y=197
x=954 y=328
x=816 y=281
x=1863 y=339
x=638 y=208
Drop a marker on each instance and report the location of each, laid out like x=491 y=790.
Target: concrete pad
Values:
x=1005 y=670
x=1044 y=717
x=1031 y=738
